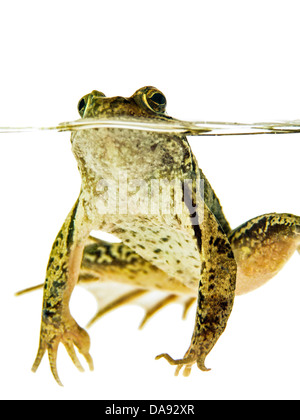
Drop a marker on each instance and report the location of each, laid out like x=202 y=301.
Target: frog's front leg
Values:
x=215 y=295
x=62 y=274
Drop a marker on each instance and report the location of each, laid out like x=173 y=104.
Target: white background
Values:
x=214 y=60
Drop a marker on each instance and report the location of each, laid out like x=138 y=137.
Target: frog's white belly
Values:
x=172 y=250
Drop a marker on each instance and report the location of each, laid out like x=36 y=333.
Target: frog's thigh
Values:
x=117 y=262
x=262 y=246
x=117 y=275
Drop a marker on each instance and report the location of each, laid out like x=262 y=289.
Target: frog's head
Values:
x=103 y=152
x=147 y=102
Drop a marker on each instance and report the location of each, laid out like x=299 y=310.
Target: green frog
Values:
x=146 y=188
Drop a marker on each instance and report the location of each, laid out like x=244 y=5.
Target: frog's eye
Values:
x=157 y=101
x=81 y=106
x=94 y=95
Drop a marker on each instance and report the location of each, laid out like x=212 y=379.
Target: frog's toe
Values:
x=186 y=371
x=71 y=335
x=187 y=362
x=78 y=337
x=201 y=364
x=52 y=355
x=39 y=356
x=71 y=352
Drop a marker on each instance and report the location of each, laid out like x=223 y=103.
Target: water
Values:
x=190 y=128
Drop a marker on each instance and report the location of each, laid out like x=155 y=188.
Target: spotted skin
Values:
x=183 y=239
x=57 y=323
x=262 y=246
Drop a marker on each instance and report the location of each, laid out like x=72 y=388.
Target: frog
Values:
x=174 y=241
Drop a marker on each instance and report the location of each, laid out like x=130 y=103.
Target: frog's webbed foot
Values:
x=187 y=362
x=70 y=334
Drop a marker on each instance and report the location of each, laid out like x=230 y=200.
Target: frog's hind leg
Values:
x=116 y=275
x=29 y=289
x=262 y=246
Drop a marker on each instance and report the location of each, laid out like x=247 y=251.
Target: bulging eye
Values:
x=157 y=101
x=82 y=105
x=88 y=98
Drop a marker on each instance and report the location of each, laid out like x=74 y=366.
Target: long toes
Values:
x=38 y=359
x=186 y=363
x=71 y=352
x=201 y=364
x=82 y=342
x=187 y=370
x=177 y=370
x=52 y=354
x=167 y=357
x=89 y=360
x=186 y=360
